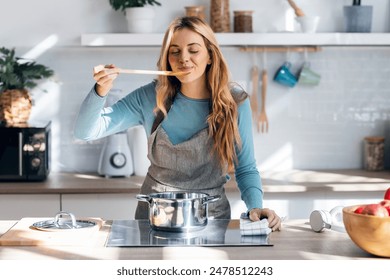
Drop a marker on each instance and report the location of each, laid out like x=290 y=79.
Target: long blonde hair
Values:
x=222 y=120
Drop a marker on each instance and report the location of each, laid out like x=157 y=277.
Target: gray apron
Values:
x=187 y=166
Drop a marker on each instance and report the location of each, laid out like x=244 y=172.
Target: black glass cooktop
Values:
x=138 y=233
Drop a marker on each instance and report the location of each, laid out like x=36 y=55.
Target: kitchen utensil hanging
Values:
x=255 y=85
x=262 y=122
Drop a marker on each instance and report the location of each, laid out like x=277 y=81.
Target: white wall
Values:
x=310 y=127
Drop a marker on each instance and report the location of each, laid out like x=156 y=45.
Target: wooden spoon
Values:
x=151 y=72
x=147 y=72
x=255 y=85
x=298 y=11
x=262 y=124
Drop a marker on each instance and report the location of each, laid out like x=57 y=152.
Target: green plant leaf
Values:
x=16 y=73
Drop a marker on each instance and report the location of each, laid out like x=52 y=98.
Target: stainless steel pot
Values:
x=178 y=211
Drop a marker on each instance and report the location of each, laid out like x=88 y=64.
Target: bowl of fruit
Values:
x=368 y=226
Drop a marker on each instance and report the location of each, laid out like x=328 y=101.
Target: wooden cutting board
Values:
x=22 y=234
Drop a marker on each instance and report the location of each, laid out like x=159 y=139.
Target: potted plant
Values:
x=139 y=16
x=358 y=18
x=17 y=76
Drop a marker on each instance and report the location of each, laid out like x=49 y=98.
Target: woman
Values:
x=198 y=125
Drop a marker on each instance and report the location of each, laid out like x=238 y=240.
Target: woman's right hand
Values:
x=104 y=76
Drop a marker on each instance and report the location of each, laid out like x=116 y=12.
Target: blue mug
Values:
x=284 y=76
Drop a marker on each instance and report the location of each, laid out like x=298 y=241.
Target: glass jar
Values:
x=195 y=11
x=243 y=21
x=220 y=15
x=374 y=149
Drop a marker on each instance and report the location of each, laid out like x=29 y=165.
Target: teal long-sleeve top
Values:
x=186 y=117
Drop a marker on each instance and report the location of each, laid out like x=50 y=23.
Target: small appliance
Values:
x=25 y=152
x=115 y=158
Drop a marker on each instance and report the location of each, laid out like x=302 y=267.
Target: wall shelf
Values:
x=245 y=39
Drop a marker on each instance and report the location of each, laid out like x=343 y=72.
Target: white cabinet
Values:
x=108 y=206
x=17 y=206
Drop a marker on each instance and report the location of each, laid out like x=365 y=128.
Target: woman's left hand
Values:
x=274 y=221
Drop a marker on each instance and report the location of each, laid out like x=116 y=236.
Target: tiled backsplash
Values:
x=311 y=127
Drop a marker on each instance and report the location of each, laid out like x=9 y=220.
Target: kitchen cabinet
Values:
x=245 y=39
x=17 y=206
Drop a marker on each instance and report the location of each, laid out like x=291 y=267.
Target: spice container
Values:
x=374 y=148
x=220 y=15
x=243 y=21
x=195 y=11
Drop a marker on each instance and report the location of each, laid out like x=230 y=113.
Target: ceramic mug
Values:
x=284 y=76
x=308 y=24
x=308 y=76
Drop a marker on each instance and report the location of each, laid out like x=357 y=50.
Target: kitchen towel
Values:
x=247 y=227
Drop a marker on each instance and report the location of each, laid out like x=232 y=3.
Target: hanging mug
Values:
x=307 y=76
x=284 y=76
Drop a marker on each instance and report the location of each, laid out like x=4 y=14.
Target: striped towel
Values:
x=247 y=227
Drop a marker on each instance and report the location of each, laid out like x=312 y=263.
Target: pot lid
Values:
x=63 y=221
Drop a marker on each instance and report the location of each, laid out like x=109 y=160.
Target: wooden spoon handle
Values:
x=298 y=11
x=151 y=72
x=146 y=72
x=264 y=89
x=255 y=85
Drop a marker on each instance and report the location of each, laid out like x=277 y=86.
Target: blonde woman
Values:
x=198 y=125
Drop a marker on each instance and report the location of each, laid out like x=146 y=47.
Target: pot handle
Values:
x=210 y=199
x=144 y=197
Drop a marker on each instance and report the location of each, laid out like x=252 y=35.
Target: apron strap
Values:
x=160 y=115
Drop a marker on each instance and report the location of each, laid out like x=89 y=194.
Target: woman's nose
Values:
x=184 y=58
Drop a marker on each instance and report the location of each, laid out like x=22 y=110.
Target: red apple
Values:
x=387 y=194
x=386 y=204
x=375 y=210
x=359 y=210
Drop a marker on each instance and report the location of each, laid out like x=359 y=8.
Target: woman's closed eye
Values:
x=177 y=52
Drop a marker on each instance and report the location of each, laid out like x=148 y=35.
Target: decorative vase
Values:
x=140 y=19
x=358 y=18
x=15 y=106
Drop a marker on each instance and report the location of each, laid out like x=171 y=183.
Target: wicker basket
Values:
x=15 y=106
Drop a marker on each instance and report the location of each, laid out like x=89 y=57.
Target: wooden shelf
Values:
x=245 y=39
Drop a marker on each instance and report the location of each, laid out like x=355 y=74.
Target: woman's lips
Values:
x=185 y=69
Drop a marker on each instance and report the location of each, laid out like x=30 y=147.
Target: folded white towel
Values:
x=247 y=227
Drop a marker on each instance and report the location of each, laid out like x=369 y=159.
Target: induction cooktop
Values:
x=217 y=233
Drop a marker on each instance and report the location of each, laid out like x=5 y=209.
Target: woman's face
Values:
x=188 y=53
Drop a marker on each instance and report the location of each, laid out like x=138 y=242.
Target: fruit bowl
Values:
x=370 y=233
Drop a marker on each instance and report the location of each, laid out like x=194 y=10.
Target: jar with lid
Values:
x=374 y=148
x=220 y=15
x=195 y=11
x=243 y=21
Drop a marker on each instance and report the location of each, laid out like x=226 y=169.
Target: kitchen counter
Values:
x=295 y=241
x=291 y=181
x=292 y=193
